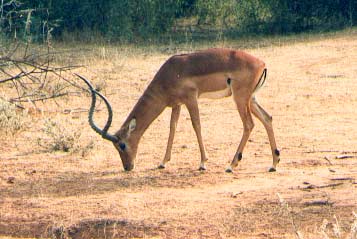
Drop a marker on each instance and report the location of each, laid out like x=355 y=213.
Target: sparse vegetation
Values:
x=12 y=120
x=60 y=136
x=287 y=212
x=354 y=227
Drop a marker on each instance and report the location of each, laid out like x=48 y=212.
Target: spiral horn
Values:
x=103 y=132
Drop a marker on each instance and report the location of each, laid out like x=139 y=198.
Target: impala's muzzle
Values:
x=128 y=168
x=128 y=164
x=126 y=158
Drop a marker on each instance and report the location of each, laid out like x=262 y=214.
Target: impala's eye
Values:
x=122 y=146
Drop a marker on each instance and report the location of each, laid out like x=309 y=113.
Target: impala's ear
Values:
x=132 y=125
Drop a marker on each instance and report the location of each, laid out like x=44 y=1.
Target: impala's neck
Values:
x=146 y=110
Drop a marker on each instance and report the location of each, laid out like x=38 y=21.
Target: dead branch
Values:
x=35 y=75
x=30 y=71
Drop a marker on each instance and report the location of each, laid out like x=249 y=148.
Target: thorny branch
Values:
x=34 y=76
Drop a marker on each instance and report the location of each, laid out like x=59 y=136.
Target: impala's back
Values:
x=210 y=73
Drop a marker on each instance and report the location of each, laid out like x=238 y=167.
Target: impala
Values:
x=181 y=80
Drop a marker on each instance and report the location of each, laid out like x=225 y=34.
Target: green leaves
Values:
x=142 y=20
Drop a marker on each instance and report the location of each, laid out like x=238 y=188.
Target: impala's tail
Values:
x=261 y=81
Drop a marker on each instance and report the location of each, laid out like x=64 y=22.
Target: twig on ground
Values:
x=311 y=186
x=329 y=162
x=345 y=156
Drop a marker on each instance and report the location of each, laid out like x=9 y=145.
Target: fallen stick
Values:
x=329 y=162
x=318 y=203
x=342 y=179
x=345 y=156
x=322 y=186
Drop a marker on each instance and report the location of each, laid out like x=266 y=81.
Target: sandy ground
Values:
x=311 y=93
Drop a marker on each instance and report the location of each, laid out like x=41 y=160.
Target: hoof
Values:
x=272 y=169
x=202 y=168
x=161 y=166
x=229 y=170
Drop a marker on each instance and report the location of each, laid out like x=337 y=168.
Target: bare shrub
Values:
x=60 y=137
x=288 y=213
x=354 y=227
x=11 y=119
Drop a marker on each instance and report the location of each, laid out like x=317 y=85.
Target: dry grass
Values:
x=311 y=93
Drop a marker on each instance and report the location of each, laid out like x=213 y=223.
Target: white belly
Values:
x=217 y=94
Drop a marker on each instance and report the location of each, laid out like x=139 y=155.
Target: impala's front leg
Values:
x=192 y=107
x=173 y=123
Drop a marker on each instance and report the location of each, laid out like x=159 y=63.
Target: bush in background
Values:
x=140 y=20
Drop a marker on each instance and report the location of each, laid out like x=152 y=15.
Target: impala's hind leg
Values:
x=266 y=119
x=248 y=125
x=173 y=123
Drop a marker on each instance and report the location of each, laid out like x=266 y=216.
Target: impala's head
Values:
x=122 y=140
x=125 y=145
